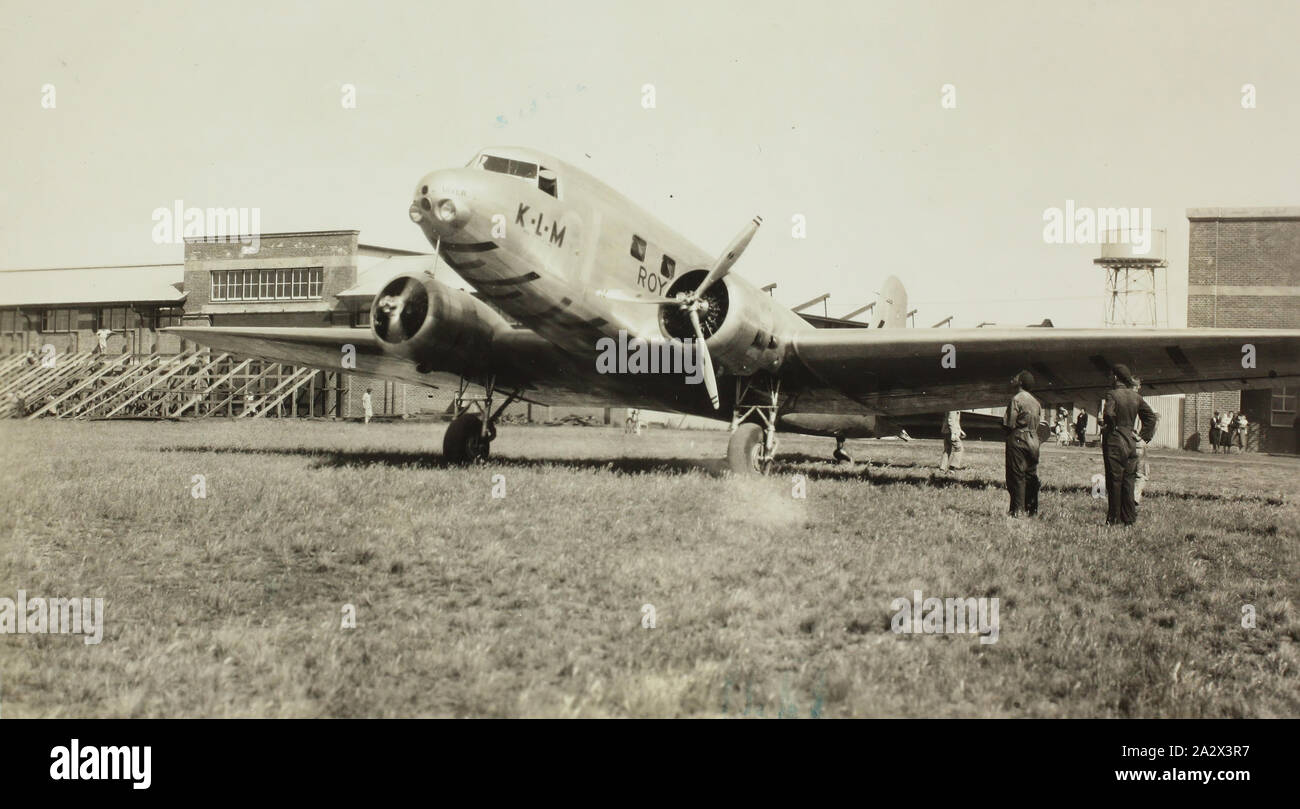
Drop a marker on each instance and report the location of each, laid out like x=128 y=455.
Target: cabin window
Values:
x=638 y=248
x=548 y=182
x=667 y=267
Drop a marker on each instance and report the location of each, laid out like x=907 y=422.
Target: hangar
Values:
x=1243 y=267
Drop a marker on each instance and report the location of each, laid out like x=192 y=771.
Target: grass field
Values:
x=531 y=604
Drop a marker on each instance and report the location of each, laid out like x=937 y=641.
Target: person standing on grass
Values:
x=1143 y=471
x=952 y=436
x=1021 y=426
x=1225 y=428
x=1143 y=465
x=1123 y=406
x=1081 y=428
x=1240 y=430
x=1063 y=427
x=1214 y=434
x=367 y=406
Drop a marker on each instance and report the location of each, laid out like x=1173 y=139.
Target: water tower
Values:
x=1131 y=276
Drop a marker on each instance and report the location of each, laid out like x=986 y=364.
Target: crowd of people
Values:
x=1228 y=430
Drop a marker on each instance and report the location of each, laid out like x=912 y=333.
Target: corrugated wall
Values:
x=1169 y=430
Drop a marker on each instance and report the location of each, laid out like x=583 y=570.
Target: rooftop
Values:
x=1279 y=214
x=69 y=286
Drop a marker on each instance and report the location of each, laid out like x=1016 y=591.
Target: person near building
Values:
x=1081 y=428
x=367 y=405
x=1240 y=431
x=1225 y=431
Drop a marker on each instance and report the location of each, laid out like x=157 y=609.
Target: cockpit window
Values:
x=515 y=168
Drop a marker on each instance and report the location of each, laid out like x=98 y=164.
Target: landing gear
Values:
x=753 y=425
x=470 y=435
x=745 y=453
x=466 y=441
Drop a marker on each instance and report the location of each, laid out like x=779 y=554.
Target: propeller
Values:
x=710 y=381
x=692 y=301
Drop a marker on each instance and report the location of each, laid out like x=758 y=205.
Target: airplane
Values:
x=578 y=265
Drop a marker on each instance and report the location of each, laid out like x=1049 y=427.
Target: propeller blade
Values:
x=729 y=257
x=710 y=382
x=623 y=297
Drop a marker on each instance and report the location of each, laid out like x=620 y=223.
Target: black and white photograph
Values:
x=710 y=360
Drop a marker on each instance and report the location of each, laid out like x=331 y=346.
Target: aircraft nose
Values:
x=440 y=205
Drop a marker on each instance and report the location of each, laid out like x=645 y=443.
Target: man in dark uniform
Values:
x=1021 y=426
x=1123 y=406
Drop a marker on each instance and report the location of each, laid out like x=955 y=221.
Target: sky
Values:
x=832 y=111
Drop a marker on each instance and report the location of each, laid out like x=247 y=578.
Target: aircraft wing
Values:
x=908 y=371
x=520 y=360
x=314 y=347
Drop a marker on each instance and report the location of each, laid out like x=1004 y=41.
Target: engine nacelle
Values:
x=739 y=324
x=440 y=328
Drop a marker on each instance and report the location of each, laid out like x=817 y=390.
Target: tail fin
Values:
x=892 y=308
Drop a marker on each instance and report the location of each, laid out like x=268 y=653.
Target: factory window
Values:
x=112 y=319
x=9 y=321
x=56 y=320
x=361 y=317
x=1283 y=407
x=162 y=318
x=638 y=248
x=667 y=267
x=298 y=284
x=118 y=318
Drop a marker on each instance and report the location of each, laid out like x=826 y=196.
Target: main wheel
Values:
x=464 y=441
x=745 y=451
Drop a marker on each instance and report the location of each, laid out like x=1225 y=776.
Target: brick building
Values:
x=1243 y=267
